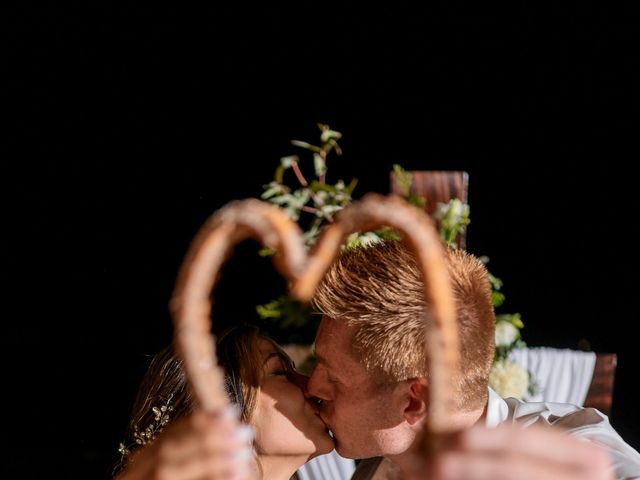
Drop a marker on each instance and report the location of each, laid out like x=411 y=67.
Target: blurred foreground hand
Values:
x=511 y=452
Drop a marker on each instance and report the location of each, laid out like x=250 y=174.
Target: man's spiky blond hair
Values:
x=378 y=290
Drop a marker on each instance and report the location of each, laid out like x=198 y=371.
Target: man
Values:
x=372 y=382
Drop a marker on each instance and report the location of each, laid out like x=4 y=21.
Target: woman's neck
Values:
x=280 y=468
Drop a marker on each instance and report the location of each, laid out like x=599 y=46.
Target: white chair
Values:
x=562 y=375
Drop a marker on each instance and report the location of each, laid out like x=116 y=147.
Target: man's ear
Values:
x=418 y=394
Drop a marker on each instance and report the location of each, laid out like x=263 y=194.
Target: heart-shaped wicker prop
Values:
x=240 y=220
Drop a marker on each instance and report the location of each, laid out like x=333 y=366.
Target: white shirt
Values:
x=584 y=423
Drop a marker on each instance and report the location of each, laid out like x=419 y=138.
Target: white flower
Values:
x=508 y=379
x=455 y=211
x=506 y=334
x=369 y=238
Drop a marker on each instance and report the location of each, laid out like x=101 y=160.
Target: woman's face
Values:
x=286 y=423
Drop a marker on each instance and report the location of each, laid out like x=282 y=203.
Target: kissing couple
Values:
x=367 y=396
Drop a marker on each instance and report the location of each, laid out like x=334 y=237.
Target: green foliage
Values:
x=313 y=204
x=316 y=197
x=287 y=320
x=289 y=312
x=404 y=180
x=453 y=218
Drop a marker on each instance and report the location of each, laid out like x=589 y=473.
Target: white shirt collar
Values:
x=497 y=410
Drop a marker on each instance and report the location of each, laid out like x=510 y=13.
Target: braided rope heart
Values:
x=244 y=219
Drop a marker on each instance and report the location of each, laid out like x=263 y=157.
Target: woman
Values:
x=268 y=395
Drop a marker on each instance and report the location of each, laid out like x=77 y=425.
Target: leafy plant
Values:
x=312 y=203
x=405 y=179
x=454 y=218
x=315 y=197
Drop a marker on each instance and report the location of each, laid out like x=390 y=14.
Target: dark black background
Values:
x=130 y=124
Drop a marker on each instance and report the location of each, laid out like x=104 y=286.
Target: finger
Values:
x=216 y=468
x=540 y=443
x=225 y=420
x=465 y=466
x=198 y=463
x=202 y=445
x=197 y=436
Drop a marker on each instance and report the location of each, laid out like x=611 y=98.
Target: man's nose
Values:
x=313 y=386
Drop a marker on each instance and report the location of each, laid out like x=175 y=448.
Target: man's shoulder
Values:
x=563 y=415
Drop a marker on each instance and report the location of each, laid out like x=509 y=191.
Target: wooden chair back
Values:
x=600 y=394
x=437 y=187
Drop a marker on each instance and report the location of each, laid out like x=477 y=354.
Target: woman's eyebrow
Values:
x=279 y=355
x=271 y=355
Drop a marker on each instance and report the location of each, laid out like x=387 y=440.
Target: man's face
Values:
x=365 y=417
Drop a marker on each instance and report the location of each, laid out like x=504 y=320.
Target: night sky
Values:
x=129 y=125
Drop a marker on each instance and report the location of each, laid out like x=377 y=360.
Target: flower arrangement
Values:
x=313 y=204
x=506 y=377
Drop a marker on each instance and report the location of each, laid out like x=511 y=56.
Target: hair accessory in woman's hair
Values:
x=149 y=434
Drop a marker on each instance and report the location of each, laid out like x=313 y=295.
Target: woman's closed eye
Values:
x=288 y=373
x=278 y=366
x=278 y=370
